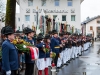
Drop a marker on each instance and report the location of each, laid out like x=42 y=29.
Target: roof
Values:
x=89 y=20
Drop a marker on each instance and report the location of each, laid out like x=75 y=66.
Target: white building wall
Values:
x=94 y=25
x=50 y=5
x=17 y=23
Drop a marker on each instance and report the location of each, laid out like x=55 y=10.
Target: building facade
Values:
x=92 y=26
x=67 y=11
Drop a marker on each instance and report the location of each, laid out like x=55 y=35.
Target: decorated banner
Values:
x=34 y=53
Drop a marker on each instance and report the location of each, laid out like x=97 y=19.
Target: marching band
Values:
x=65 y=45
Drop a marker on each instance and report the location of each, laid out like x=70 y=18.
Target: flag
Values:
x=41 y=22
x=34 y=53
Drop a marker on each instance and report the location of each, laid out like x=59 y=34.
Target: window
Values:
x=27 y=17
x=98 y=22
x=43 y=2
x=19 y=28
x=63 y=17
x=91 y=28
x=69 y=2
x=30 y=2
x=19 y=19
x=56 y=2
x=72 y=17
x=54 y=17
x=98 y=28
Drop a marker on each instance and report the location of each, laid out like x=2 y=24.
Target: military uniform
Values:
x=41 y=60
x=48 y=59
x=29 y=63
x=69 y=48
x=55 y=46
x=60 y=58
x=10 y=63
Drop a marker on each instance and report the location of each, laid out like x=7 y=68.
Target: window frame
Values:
x=18 y=19
x=74 y=17
x=91 y=27
x=68 y=3
x=98 y=21
x=64 y=18
x=30 y=1
x=54 y=17
x=58 y=3
x=26 y=19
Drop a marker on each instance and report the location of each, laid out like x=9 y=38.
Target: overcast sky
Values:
x=89 y=8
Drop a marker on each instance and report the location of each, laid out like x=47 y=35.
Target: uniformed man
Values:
x=42 y=55
x=9 y=53
x=60 y=39
x=29 y=63
x=69 y=47
x=55 y=46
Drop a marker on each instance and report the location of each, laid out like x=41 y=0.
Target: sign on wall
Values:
x=50 y=11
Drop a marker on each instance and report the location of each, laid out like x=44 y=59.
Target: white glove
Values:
x=43 y=45
x=8 y=72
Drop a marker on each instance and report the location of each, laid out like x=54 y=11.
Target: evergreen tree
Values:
x=10 y=13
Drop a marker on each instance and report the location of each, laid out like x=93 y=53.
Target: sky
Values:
x=89 y=8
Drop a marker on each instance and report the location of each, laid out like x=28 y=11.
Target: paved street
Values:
x=88 y=64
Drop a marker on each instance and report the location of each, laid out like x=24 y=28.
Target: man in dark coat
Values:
x=29 y=63
x=55 y=46
x=9 y=53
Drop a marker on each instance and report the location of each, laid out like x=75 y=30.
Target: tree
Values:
x=2 y=8
x=10 y=13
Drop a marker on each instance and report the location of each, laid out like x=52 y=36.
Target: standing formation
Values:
x=65 y=45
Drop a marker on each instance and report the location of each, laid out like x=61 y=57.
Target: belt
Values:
x=56 y=47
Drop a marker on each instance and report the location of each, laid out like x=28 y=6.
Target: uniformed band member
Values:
x=29 y=63
x=41 y=60
x=55 y=46
x=59 y=62
x=9 y=53
x=66 y=47
x=48 y=59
